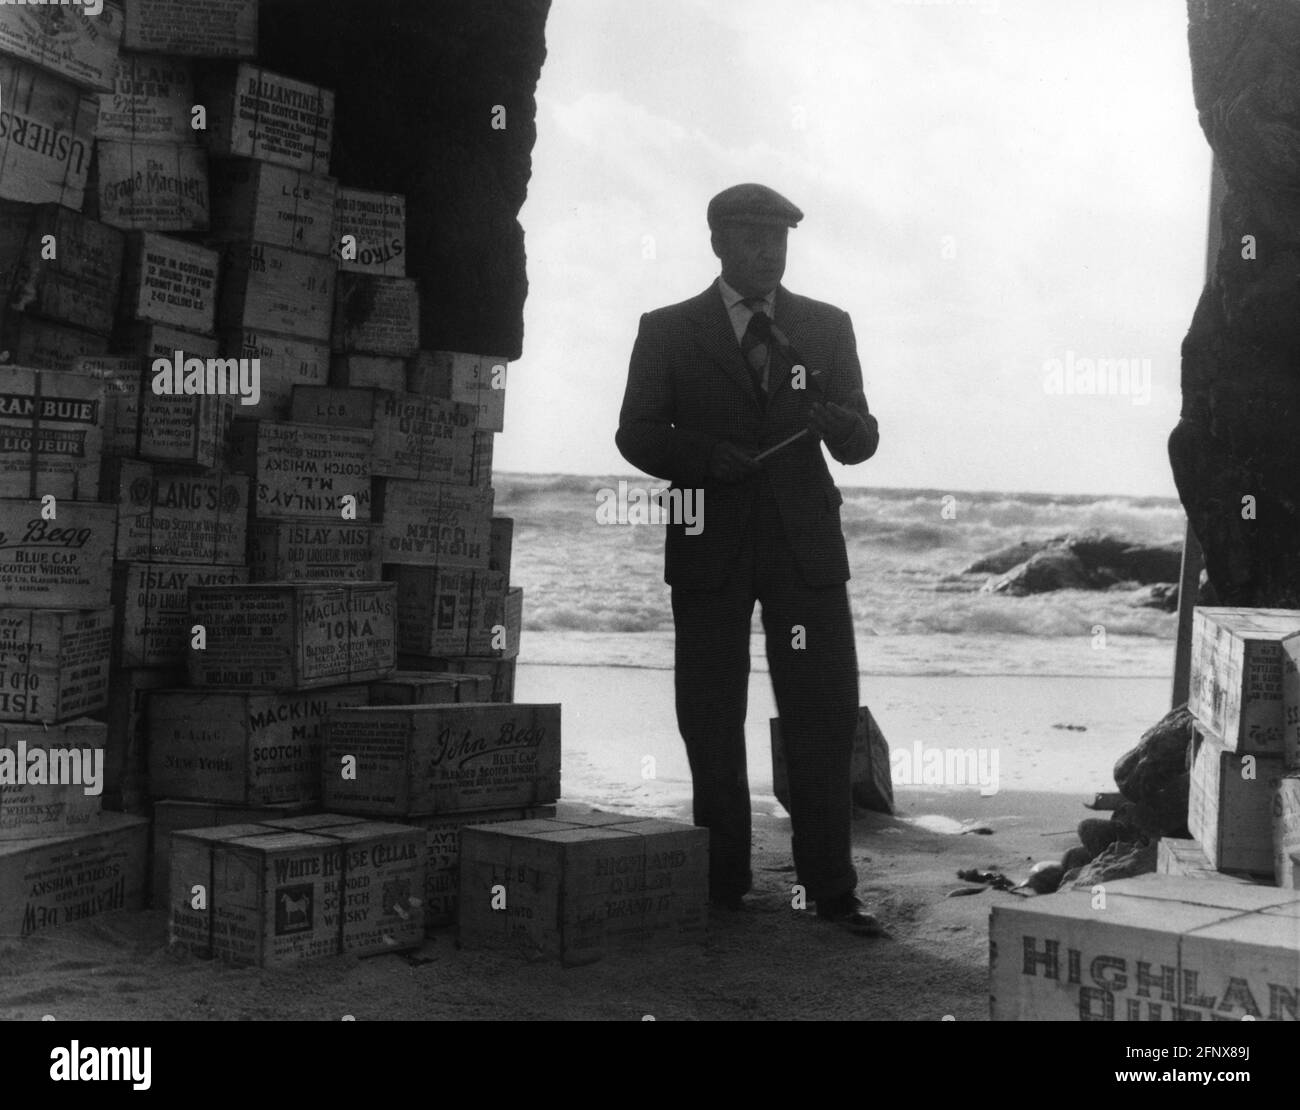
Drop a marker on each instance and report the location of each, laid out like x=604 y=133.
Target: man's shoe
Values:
x=849 y=912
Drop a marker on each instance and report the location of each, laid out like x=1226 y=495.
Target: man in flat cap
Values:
x=715 y=382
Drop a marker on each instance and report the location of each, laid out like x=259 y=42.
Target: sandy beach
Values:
x=770 y=962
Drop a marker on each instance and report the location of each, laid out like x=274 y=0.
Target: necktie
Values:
x=754 y=345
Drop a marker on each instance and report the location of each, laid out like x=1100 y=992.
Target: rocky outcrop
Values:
x=1155 y=774
x=1235 y=454
x=1162 y=596
x=1002 y=561
x=1088 y=561
x=1120 y=860
x=417 y=83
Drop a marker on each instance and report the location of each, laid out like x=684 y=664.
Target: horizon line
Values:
x=1172 y=500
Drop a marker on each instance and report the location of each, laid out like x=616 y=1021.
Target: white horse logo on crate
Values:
x=293 y=909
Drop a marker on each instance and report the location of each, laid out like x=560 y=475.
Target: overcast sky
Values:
x=987 y=187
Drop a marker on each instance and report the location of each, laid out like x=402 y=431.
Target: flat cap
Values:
x=752 y=204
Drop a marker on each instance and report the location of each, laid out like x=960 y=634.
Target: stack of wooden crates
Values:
x=211 y=574
x=248 y=529
x=1215 y=935
x=1244 y=805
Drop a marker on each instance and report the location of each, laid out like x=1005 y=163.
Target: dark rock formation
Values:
x=1122 y=860
x=1048 y=570
x=416 y=83
x=1075 y=858
x=1235 y=452
x=1097 y=834
x=1154 y=776
x=1002 y=561
x=1089 y=561
x=1163 y=596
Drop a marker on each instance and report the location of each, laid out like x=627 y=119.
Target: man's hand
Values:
x=729 y=463
x=831 y=422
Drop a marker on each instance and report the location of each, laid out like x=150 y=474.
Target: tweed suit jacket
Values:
x=689 y=388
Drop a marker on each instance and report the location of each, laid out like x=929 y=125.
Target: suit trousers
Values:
x=813 y=663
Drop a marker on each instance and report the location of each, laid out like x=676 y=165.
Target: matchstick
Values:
x=784 y=443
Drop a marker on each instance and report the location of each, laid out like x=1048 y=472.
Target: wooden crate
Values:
x=368 y=372
x=173 y=514
x=1236 y=674
x=442 y=859
x=1162 y=949
x=265 y=203
x=316 y=550
x=254 y=113
x=151 y=186
x=15 y=220
x=150 y=101
x=51 y=433
x=151 y=607
x=43 y=345
x=434 y=609
x=126 y=773
x=195 y=28
x=377 y=894
x=376 y=315
x=429 y=688
x=175 y=428
x=377 y=221
x=78 y=286
x=870 y=771
x=140 y=423
x=497 y=618
x=478 y=380
x=333 y=886
x=1286 y=832
x=1187 y=859
x=264 y=895
x=1290 y=711
x=293 y=636
x=303 y=471
x=420 y=760
x=239 y=748
x=65 y=798
x=47 y=883
x=481 y=458
x=434 y=524
x=148 y=342
x=166 y=428
x=579 y=892
x=169 y=281
x=286 y=361
x=1228 y=812
x=47 y=141
x=55 y=564
x=172 y=816
x=501 y=545
x=415 y=437
x=74 y=44
x=54 y=663
x=500 y=673
x=274 y=289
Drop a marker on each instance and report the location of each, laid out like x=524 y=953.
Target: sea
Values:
x=594 y=594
